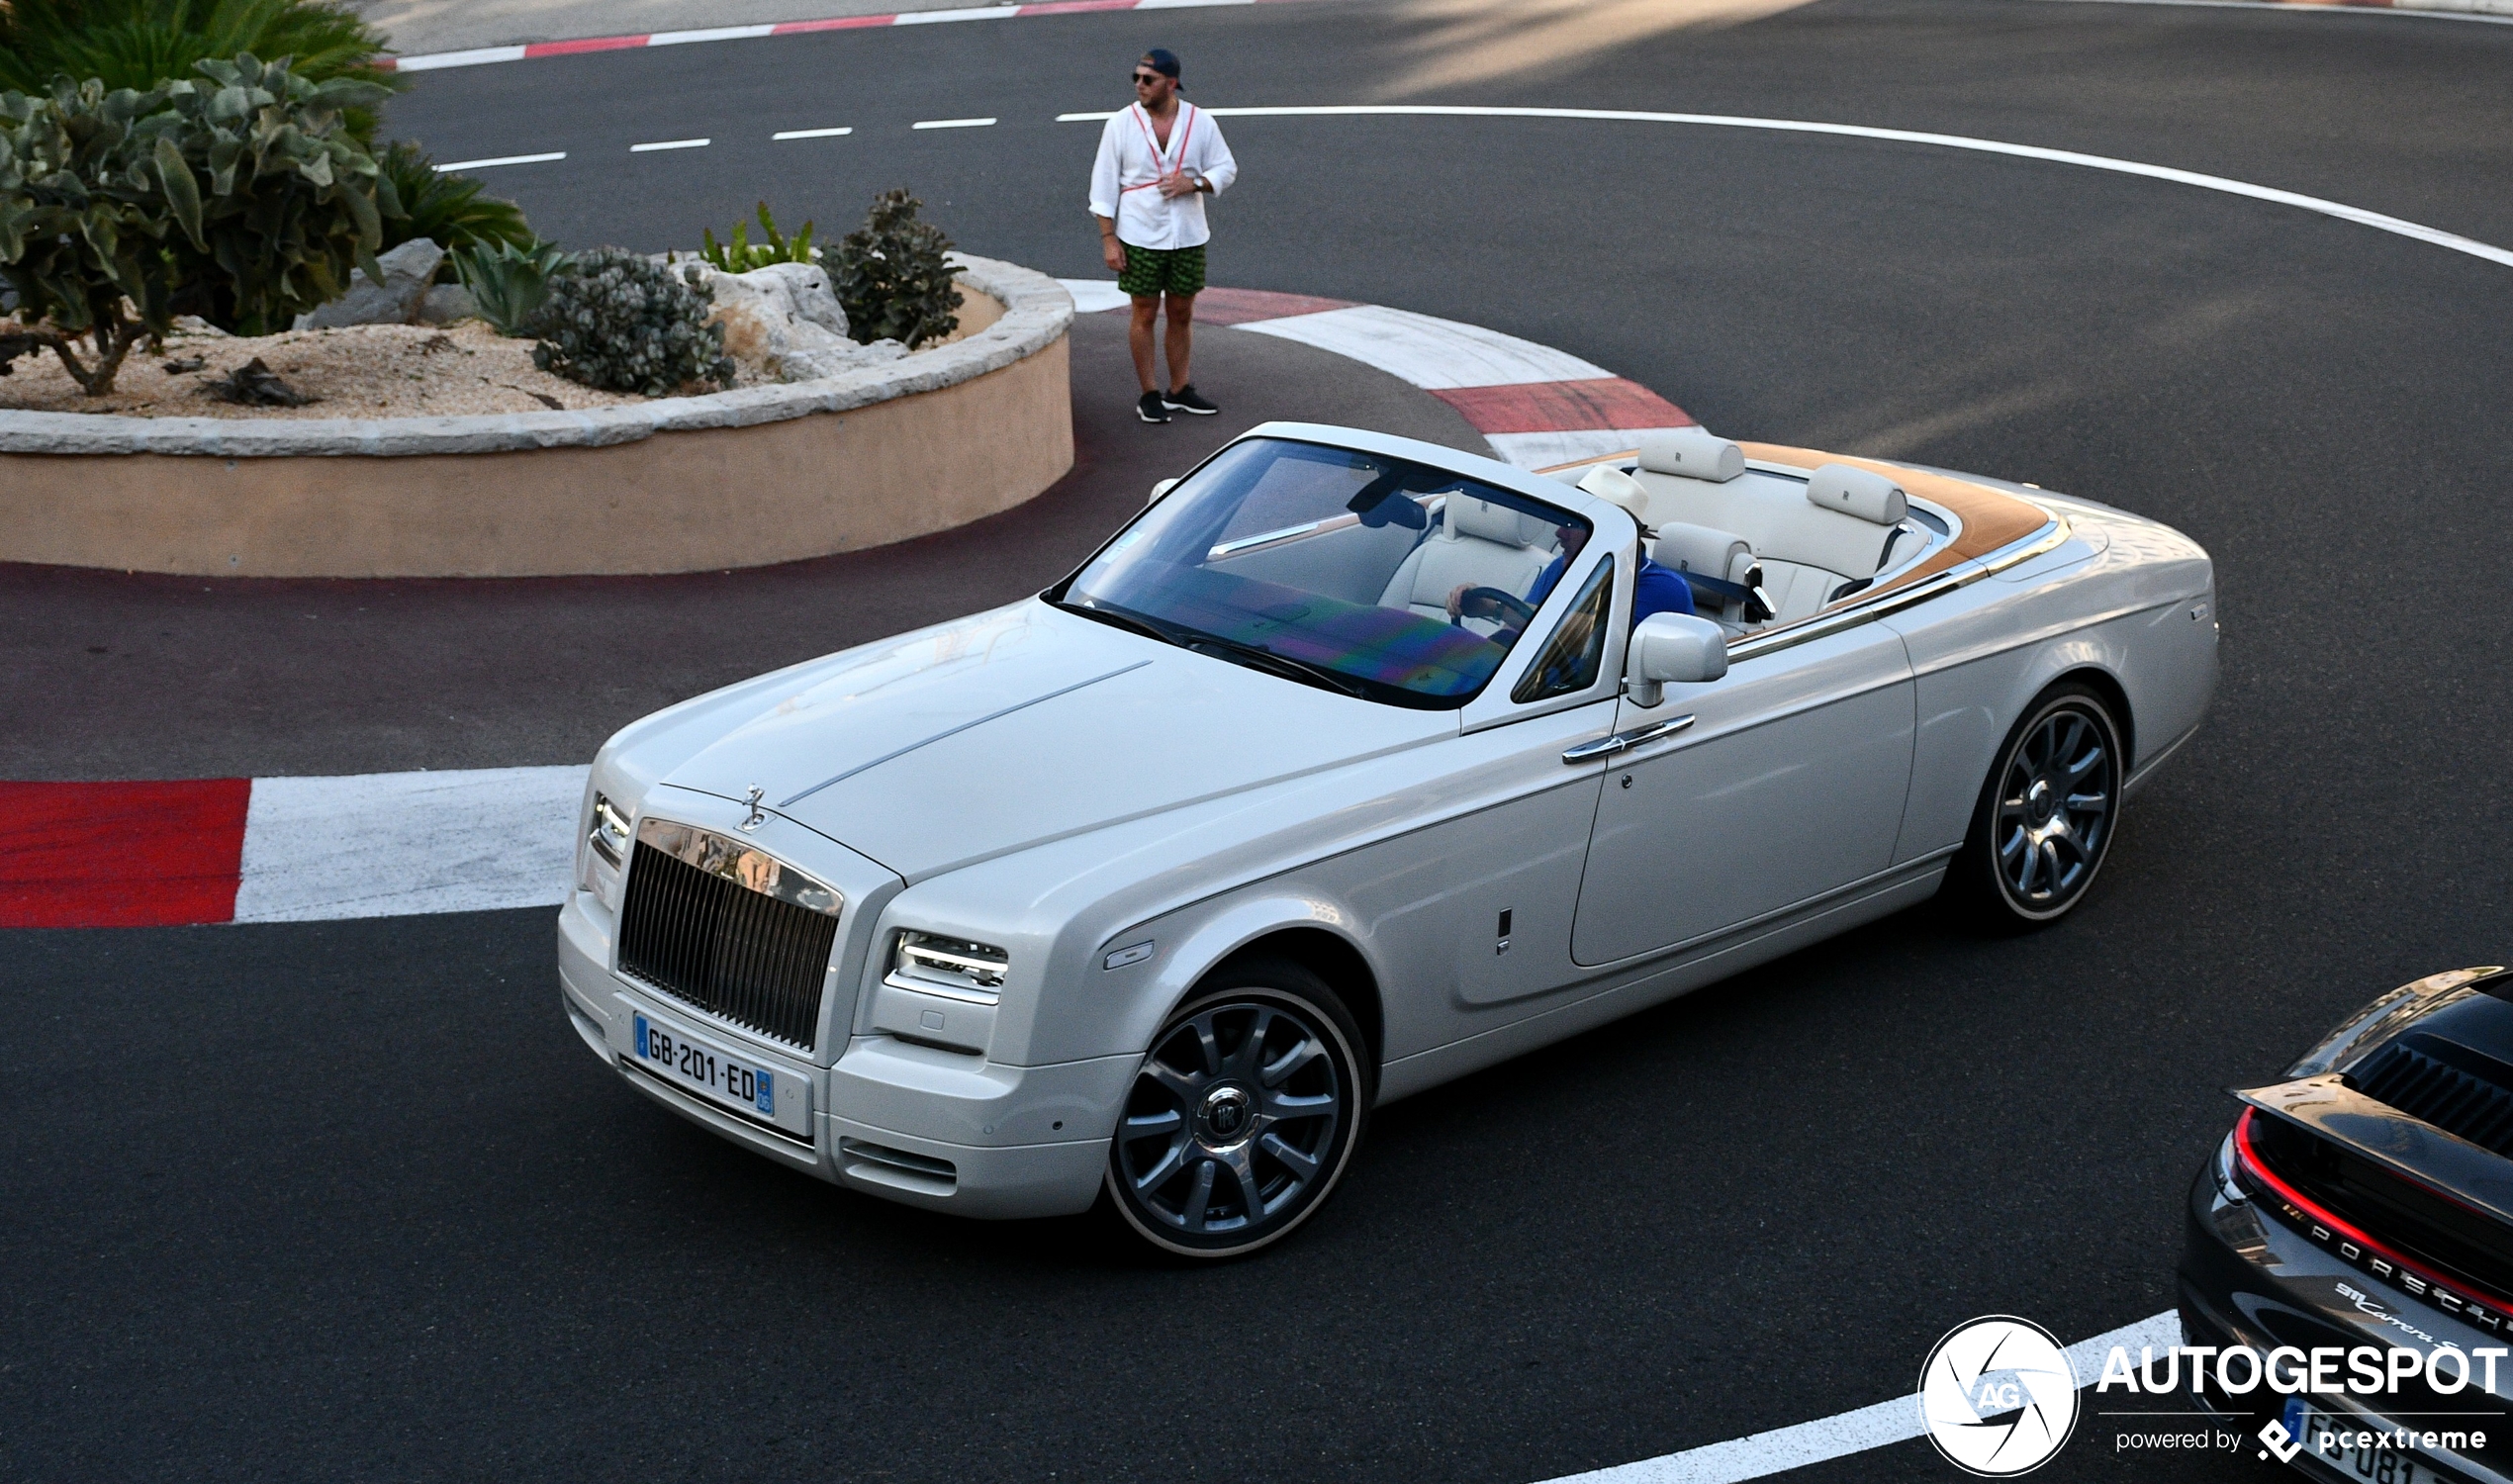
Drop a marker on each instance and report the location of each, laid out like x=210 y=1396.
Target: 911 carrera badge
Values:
x=1997 y=1396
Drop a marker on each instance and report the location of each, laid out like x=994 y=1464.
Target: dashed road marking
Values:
x=503 y=159
x=669 y=145
x=952 y=124
x=811 y=133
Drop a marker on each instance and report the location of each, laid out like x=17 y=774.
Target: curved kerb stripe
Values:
x=2340 y=210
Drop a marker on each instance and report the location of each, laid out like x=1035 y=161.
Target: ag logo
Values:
x=1997 y=1396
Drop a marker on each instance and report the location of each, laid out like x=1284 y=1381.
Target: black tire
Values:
x=2046 y=816
x=1244 y=1115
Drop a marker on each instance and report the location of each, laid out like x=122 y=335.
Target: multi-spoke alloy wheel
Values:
x=2048 y=810
x=1243 y=1116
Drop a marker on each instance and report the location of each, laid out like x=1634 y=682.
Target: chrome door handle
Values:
x=1607 y=747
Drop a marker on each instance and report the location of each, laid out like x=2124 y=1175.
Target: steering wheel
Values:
x=1512 y=607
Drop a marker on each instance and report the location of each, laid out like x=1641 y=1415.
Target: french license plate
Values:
x=2357 y=1447
x=710 y=1070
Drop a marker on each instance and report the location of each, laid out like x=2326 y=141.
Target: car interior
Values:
x=1815 y=538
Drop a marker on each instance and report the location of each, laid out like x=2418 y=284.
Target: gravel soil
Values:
x=361 y=371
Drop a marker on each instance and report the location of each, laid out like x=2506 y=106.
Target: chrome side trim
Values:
x=744 y=864
x=1824 y=625
x=1607 y=747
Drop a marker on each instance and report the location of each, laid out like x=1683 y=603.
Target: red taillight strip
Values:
x=2258 y=1168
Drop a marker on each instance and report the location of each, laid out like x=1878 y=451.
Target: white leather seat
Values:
x=1810 y=539
x=1478 y=543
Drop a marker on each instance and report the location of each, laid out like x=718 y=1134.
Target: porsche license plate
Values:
x=712 y=1073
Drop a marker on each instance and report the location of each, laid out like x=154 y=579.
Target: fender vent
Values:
x=2464 y=1092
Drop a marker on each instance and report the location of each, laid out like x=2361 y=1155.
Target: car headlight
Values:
x=949 y=966
x=605 y=856
x=609 y=837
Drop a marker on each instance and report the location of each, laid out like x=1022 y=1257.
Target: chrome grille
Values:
x=721 y=926
x=2454 y=1089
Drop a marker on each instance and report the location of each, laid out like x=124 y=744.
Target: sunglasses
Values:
x=1145 y=79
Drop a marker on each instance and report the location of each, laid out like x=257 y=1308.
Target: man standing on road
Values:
x=1158 y=161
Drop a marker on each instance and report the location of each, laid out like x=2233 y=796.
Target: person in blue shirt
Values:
x=1654 y=588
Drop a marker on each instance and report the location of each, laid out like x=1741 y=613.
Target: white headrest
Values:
x=1856 y=492
x=1620 y=489
x=1693 y=452
x=1469 y=517
x=1700 y=549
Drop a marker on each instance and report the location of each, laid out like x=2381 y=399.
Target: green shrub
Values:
x=84 y=214
x=624 y=322
x=507 y=283
x=237 y=200
x=890 y=277
x=449 y=210
x=280 y=206
x=741 y=256
x=140 y=43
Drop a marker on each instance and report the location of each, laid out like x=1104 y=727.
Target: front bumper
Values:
x=2247 y=1278
x=904 y=1122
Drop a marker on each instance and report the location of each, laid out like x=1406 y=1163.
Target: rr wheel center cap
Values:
x=1227 y=1115
x=2042 y=799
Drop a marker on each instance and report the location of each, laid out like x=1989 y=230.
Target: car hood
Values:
x=1020 y=726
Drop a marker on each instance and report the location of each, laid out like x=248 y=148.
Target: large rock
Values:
x=784 y=319
x=408 y=271
x=445 y=303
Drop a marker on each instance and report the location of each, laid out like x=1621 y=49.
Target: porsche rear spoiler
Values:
x=2476 y=1177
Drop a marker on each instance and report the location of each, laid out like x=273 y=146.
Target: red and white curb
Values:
x=195 y=851
x=1535 y=405
x=475 y=56
x=427 y=61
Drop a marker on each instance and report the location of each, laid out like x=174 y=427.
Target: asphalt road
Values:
x=350 y=1201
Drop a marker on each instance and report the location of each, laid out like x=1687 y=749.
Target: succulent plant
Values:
x=508 y=283
x=621 y=321
x=892 y=278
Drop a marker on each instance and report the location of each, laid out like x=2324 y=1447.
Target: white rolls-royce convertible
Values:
x=1344 y=770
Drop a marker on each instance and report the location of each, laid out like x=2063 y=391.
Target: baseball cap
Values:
x=1163 y=61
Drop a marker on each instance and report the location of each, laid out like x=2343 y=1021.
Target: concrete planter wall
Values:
x=736 y=479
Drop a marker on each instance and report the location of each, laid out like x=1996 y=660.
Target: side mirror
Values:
x=1672 y=649
x=1159 y=490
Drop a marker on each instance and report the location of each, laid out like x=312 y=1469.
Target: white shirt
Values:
x=1125 y=182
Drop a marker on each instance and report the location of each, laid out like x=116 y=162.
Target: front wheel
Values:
x=1244 y=1115
x=2047 y=812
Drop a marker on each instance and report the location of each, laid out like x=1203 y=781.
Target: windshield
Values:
x=1359 y=572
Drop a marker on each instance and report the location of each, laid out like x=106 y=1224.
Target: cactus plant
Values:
x=624 y=322
x=740 y=255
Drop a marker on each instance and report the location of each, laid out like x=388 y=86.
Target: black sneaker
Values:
x=1150 y=408
x=1184 y=399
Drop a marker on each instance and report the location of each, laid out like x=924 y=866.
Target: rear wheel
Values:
x=2045 y=818
x=1244 y=1115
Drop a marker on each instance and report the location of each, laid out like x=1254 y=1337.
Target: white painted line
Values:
x=811 y=133
x=391 y=844
x=503 y=159
x=2310 y=6
x=1185 y=4
x=1898 y=1421
x=669 y=145
x=1429 y=353
x=2340 y=210
x=952 y=124
x=1085 y=118
x=709 y=34
x=471 y=58
x=1092 y=295
x=964 y=13
x=1543 y=450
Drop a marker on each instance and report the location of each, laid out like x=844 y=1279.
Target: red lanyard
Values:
x=1142 y=120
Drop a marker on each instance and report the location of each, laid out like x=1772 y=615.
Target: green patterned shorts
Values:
x=1175 y=271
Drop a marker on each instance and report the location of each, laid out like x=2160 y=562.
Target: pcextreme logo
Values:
x=1997 y=1396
